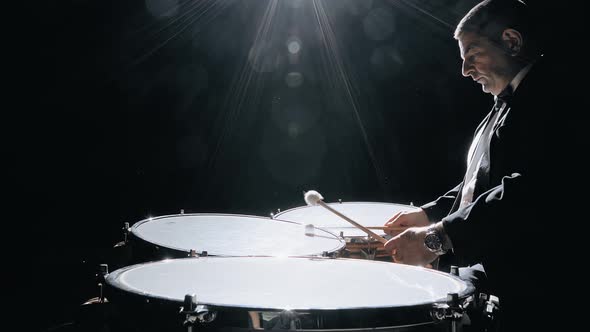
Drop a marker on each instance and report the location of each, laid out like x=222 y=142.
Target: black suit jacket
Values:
x=528 y=206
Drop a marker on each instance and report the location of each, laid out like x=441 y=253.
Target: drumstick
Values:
x=389 y=228
x=377 y=227
x=313 y=197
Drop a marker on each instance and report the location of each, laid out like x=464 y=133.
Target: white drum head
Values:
x=367 y=214
x=235 y=235
x=294 y=283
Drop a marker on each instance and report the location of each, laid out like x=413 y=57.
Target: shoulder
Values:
x=546 y=81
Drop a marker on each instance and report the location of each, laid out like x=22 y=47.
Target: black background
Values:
x=123 y=114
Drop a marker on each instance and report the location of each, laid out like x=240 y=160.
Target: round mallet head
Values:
x=312 y=197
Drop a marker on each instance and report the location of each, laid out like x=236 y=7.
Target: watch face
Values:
x=433 y=242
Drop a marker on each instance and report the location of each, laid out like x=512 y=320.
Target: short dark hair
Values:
x=490 y=17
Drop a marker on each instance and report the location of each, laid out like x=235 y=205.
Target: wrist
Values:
x=437 y=240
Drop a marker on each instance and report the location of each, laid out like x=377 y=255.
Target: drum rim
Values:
x=276 y=216
x=111 y=277
x=134 y=231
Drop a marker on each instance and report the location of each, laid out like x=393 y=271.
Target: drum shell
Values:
x=132 y=312
x=135 y=313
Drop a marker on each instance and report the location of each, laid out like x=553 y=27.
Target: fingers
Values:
x=394 y=231
x=391 y=245
x=390 y=223
x=392 y=219
x=397 y=256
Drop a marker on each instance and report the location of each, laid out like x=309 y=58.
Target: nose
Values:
x=466 y=68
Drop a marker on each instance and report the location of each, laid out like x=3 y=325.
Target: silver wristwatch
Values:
x=434 y=241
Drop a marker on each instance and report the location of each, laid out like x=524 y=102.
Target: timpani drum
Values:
x=369 y=214
x=285 y=293
x=208 y=234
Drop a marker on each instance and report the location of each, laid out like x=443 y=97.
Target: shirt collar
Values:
x=518 y=78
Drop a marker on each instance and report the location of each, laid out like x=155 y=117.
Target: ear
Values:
x=512 y=41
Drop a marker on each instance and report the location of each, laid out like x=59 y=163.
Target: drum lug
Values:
x=491 y=307
x=329 y=254
x=122 y=251
x=125 y=231
x=193 y=253
x=103 y=271
x=125 y=235
x=196 y=313
x=451 y=311
x=289 y=320
x=273 y=214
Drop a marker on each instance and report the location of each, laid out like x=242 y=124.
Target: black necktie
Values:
x=505 y=97
x=503 y=103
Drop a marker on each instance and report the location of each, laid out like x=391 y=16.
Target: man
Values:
x=508 y=212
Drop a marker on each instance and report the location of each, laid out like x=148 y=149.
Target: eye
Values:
x=473 y=56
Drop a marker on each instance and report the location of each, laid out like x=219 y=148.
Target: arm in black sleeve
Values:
x=440 y=207
x=479 y=228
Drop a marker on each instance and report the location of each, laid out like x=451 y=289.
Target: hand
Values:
x=408 y=247
x=405 y=219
